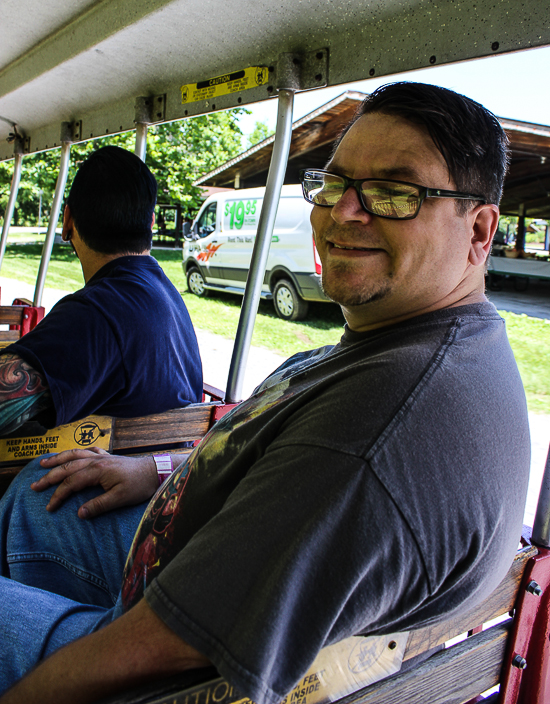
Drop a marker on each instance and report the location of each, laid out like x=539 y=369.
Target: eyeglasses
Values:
x=396 y=200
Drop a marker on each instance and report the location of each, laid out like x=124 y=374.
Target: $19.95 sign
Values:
x=241 y=215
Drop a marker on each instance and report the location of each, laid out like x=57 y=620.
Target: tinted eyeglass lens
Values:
x=323 y=189
x=390 y=200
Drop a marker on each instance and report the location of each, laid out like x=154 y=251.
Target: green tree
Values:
x=178 y=153
x=260 y=132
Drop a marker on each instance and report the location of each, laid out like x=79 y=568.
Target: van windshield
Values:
x=207 y=221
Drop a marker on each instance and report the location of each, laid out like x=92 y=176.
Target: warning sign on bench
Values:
x=94 y=431
x=338 y=670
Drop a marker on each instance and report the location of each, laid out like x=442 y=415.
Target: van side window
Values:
x=207 y=221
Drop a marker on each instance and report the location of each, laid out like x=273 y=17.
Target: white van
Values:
x=218 y=249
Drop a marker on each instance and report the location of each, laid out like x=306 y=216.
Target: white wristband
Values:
x=165 y=467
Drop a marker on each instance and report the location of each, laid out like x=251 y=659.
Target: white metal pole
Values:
x=54 y=217
x=249 y=309
x=541 y=526
x=17 y=162
x=141 y=140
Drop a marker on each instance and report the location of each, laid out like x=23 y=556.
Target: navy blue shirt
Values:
x=122 y=346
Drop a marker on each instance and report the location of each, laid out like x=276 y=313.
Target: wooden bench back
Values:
x=21 y=320
x=135 y=436
x=474 y=660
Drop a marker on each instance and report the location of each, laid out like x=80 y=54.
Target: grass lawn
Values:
x=530 y=341
x=219 y=313
x=21 y=262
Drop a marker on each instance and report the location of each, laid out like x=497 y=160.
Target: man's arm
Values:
x=136 y=648
x=23 y=392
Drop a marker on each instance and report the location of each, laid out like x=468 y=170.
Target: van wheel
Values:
x=288 y=304
x=195 y=283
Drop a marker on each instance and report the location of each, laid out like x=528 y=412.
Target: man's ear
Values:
x=153 y=220
x=68 y=225
x=484 y=226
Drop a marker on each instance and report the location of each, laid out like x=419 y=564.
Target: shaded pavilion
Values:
x=526 y=189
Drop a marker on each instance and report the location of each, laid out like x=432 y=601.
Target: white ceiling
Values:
x=67 y=60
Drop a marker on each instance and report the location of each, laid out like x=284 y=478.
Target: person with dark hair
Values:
x=365 y=488
x=124 y=344
x=112 y=202
x=470 y=139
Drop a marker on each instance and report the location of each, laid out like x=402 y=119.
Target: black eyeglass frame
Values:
x=424 y=192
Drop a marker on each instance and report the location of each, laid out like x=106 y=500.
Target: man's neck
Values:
x=361 y=321
x=92 y=262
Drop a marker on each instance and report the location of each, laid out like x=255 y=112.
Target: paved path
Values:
x=216 y=356
x=535 y=302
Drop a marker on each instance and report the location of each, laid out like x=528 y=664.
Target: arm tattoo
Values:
x=23 y=392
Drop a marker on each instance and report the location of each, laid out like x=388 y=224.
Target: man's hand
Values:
x=127 y=481
x=135 y=649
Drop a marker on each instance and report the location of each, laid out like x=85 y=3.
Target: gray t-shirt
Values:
x=372 y=487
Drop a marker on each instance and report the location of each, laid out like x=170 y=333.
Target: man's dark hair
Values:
x=468 y=136
x=112 y=201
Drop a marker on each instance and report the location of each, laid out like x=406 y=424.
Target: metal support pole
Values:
x=147 y=109
x=520 y=237
x=66 y=138
x=8 y=214
x=541 y=527
x=141 y=140
x=249 y=309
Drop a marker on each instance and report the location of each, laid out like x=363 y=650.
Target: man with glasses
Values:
x=366 y=488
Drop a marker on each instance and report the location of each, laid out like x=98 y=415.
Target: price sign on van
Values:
x=241 y=214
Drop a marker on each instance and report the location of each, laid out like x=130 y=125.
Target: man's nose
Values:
x=349 y=208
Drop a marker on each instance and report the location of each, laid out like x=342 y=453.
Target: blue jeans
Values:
x=60 y=576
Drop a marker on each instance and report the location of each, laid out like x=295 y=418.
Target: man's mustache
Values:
x=350 y=235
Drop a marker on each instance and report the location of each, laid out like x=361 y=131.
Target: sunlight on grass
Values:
x=530 y=341
x=22 y=261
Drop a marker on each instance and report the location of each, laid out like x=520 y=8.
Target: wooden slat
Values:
x=159 y=431
x=179 y=425
x=453 y=676
x=11 y=315
x=500 y=602
x=9 y=335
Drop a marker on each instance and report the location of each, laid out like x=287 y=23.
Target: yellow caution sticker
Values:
x=250 y=77
x=94 y=431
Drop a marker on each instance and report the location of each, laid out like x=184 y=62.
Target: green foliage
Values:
x=261 y=131
x=6 y=173
x=535 y=237
x=530 y=237
x=178 y=153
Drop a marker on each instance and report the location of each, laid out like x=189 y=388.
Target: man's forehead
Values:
x=388 y=146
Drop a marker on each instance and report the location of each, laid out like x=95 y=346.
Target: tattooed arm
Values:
x=23 y=392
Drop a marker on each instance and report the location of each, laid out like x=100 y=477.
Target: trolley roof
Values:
x=86 y=62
